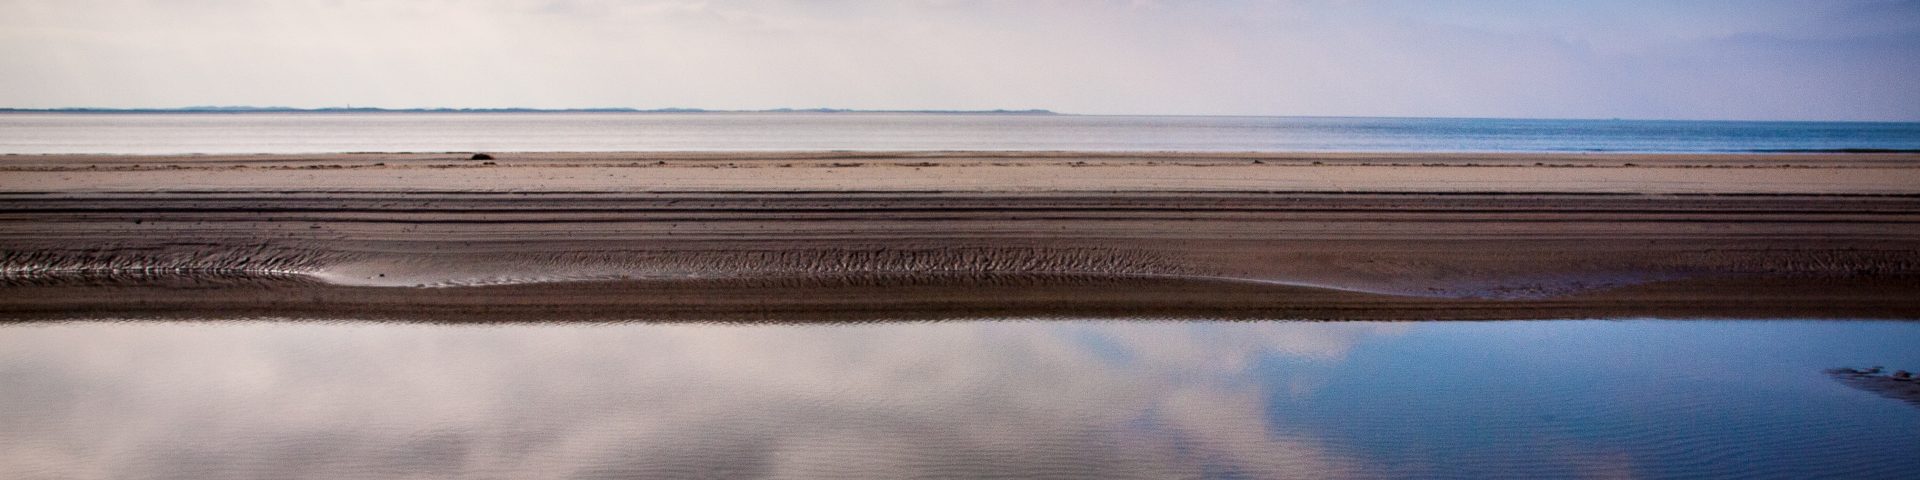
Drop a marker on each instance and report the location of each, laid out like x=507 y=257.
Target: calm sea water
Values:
x=34 y=133
x=971 y=399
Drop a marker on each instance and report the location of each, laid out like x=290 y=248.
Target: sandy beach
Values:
x=903 y=235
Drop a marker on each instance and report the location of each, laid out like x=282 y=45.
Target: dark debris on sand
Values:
x=1899 y=385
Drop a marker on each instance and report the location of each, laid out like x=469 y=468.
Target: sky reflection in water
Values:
x=968 y=399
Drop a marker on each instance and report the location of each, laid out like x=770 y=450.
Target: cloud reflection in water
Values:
x=969 y=399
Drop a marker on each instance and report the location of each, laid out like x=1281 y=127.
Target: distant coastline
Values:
x=206 y=130
x=251 y=109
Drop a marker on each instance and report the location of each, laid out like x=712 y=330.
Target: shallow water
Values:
x=970 y=399
x=181 y=133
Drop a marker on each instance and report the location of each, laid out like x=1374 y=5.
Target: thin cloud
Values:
x=1745 y=60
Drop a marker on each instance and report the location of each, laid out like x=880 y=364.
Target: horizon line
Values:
x=279 y=109
x=214 y=109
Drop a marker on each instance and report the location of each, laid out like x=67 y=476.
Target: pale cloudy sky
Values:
x=1735 y=59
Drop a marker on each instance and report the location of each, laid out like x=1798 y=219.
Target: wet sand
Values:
x=856 y=236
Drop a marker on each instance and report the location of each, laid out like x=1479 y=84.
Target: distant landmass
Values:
x=251 y=109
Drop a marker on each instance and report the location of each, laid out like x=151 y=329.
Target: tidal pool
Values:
x=969 y=399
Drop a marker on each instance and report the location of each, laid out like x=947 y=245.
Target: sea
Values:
x=334 y=132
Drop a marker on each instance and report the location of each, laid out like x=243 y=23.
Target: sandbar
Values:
x=826 y=236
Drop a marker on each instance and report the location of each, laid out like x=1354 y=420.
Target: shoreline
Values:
x=921 y=298
x=921 y=235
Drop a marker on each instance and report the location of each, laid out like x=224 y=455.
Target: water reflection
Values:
x=967 y=399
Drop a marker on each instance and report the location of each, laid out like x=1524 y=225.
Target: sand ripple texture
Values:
x=1267 y=251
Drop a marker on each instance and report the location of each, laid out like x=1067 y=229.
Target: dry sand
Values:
x=839 y=236
x=971 y=171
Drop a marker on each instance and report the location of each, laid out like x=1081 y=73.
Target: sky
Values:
x=1706 y=59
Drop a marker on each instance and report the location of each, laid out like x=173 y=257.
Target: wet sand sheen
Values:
x=740 y=236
